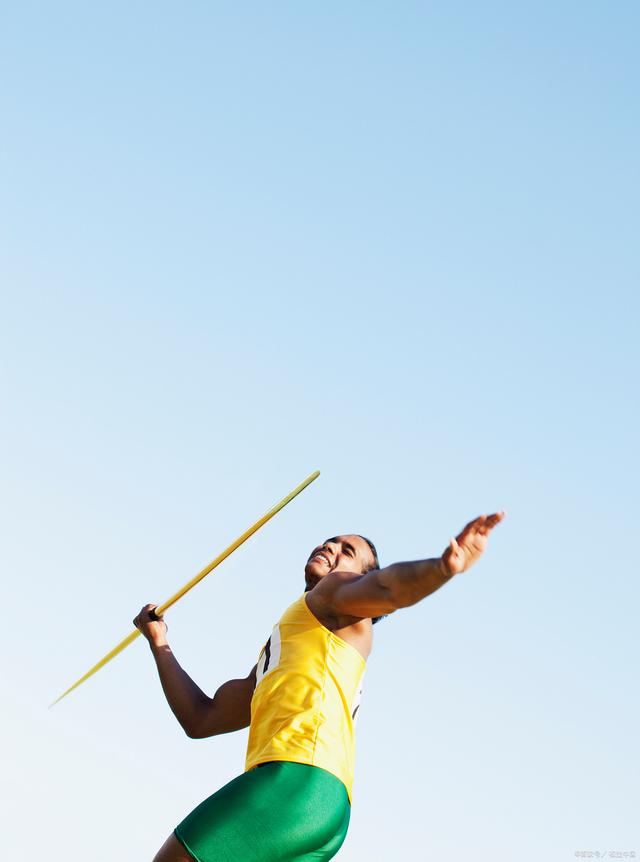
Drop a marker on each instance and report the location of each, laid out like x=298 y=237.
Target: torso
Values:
x=307 y=692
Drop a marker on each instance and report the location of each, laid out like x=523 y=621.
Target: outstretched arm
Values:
x=382 y=591
x=198 y=714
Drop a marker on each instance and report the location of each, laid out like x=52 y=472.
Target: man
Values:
x=300 y=699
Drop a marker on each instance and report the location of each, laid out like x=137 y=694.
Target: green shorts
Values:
x=277 y=812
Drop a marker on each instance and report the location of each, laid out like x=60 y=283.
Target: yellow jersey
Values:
x=307 y=694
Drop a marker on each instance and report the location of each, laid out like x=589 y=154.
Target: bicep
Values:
x=229 y=709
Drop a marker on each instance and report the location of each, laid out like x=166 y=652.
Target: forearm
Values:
x=186 y=699
x=408 y=583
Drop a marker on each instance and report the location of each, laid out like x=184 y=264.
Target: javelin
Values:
x=174 y=598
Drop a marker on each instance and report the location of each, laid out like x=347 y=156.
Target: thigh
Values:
x=276 y=813
x=172 y=851
x=330 y=848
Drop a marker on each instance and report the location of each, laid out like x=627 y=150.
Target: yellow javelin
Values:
x=174 y=598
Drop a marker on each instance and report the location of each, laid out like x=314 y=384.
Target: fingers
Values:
x=480 y=527
x=483 y=524
x=147 y=614
x=494 y=519
x=472 y=527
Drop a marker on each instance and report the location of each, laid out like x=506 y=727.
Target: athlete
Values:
x=293 y=801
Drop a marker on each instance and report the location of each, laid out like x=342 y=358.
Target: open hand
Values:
x=467 y=546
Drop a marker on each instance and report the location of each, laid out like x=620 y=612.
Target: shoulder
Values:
x=320 y=600
x=326 y=588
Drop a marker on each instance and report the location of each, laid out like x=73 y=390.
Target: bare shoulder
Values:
x=356 y=631
x=320 y=598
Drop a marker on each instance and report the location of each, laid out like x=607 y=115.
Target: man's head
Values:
x=348 y=553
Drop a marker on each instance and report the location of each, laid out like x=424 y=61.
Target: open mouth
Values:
x=320 y=557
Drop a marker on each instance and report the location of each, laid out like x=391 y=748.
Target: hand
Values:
x=152 y=627
x=467 y=546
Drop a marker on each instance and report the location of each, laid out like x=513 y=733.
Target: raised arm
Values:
x=198 y=714
x=382 y=591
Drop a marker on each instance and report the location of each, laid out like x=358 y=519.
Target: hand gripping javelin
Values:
x=202 y=574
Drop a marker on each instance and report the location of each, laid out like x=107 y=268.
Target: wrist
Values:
x=445 y=571
x=158 y=643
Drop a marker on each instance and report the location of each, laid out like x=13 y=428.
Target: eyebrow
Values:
x=345 y=544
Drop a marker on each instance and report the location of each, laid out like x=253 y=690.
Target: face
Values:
x=340 y=554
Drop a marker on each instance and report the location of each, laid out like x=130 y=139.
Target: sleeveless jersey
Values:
x=307 y=694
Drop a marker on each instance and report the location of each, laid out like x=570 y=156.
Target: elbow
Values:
x=200 y=731
x=400 y=595
x=392 y=593
x=192 y=731
x=202 y=721
x=208 y=725
x=405 y=596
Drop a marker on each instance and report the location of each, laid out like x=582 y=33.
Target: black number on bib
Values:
x=355 y=706
x=270 y=655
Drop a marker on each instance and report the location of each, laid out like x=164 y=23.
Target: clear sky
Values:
x=397 y=242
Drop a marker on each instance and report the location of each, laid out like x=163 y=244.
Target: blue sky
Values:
x=393 y=242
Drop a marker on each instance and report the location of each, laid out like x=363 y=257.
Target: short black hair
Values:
x=376 y=561
x=376 y=565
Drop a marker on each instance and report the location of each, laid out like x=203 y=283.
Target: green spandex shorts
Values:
x=277 y=812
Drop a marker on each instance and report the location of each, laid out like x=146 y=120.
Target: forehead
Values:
x=356 y=542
